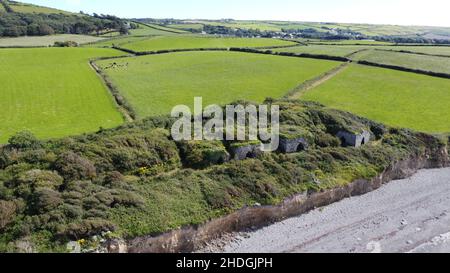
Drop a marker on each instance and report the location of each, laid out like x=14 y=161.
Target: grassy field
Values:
x=155 y=84
x=352 y=42
x=434 y=50
x=188 y=42
x=27 y=8
x=53 y=92
x=110 y=34
x=118 y=41
x=47 y=40
x=340 y=51
x=427 y=63
x=150 y=30
x=187 y=26
x=391 y=97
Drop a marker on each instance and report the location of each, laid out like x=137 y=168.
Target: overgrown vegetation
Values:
x=131 y=181
x=16 y=23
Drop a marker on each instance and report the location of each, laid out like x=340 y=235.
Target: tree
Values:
x=124 y=30
x=45 y=29
x=12 y=31
x=7 y=213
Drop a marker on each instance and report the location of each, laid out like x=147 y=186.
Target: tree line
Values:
x=14 y=24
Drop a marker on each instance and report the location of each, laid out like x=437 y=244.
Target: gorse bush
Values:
x=24 y=140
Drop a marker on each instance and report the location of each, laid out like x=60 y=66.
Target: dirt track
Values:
x=411 y=215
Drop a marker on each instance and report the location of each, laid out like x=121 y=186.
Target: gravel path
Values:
x=411 y=215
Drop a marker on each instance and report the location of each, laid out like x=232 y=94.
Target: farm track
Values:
x=308 y=85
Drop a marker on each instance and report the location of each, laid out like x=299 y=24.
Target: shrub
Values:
x=87 y=228
x=127 y=198
x=46 y=200
x=24 y=140
x=72 y=211
x=7 y=213
x=66 y=44
x=327 y=140
x=74 y=167
x=41 y=179
x=202 y=154
x=113 y=177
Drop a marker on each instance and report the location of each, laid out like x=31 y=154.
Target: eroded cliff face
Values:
x=192 y=238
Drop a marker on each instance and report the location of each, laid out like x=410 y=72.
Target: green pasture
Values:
x=154 y=84
x=53 y=92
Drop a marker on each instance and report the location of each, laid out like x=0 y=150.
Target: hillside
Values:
x=135 y=180
x=18 y=19
x=319 y=30
x=29 y=8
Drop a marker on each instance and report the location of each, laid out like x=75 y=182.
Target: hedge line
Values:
x=120 y=100
x=405 y=69
x=290 y=54
x=412 y=52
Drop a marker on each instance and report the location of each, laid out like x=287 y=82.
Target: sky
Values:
x=397 y=12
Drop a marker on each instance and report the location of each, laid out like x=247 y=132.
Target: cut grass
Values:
x=47 y=40
x=154 y=84
x=53 y=92
x=329 y=50
x=392 y=97
x=193 y=42
x=414 y=61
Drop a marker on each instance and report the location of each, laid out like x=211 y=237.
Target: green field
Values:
x=47 y=40
x=155 y=84
x=153 y=30
x=191 y=42
x=110 y=34
x=351 y=42
x=53 y=92
x=118 y=41
x=392 y=97
x=330 y=50
x=27 y=8
x=187 y=26
x=414 y=61
x=434 y=50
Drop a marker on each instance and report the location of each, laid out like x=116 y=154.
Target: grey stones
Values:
x=245 y=151
x=354 y=139
x=292 y=145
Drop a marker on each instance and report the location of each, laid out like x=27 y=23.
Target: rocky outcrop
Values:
x=192 y=238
